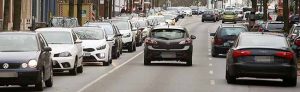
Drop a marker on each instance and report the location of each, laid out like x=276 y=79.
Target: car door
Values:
x=79 y=48
x=45 y=57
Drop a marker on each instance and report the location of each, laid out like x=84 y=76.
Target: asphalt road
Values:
x=128 y=73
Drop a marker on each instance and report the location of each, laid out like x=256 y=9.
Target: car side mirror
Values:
x=119 y=35
x=193 y=37
x=47 y=49
x=78 y=41
x=212 y=34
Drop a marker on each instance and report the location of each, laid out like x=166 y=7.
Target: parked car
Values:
x=294 y=38
x=224 y=38
x=144 y=28
x=294 y=19
x=229 y=16
x=169 y=43
x=67 y=50
x=113 y=35
x=96 y=45
x=25 y=59
x=261 y=55
x=272 y=26
x=239 y=15
x=209 y=16
x=138 y=27
x=128 y=38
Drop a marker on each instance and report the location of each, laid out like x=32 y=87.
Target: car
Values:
x=67 y=50
x=138 y=27
x=294 y=38
x=143 y=27
x=25 y=59
x=113 y=35
x=209 y=16
x=229 y=16
x=96 y=45
x=261 y=55
x=224 y=37
x=272 y=26
x=169 y=43
x=128 y=35
x=159 y=19
x=294 y=19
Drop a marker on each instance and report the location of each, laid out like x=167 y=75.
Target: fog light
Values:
x=24 y=65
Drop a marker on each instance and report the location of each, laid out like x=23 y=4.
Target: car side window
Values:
x=74 y=36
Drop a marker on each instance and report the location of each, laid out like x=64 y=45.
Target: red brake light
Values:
x=218 y=41
x=297 y=42
x=287 y=55
x=239 y=53
x=187 y=41
x=148 y=41
x=260 y=30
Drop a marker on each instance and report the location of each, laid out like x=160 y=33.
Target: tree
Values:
x=6 y=14
x=254 y=4
x=286 y=15
x=17 y=15
x=265 y=4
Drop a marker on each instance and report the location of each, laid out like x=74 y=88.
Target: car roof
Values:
x=169 y=27
x=20 y=32
x=262 y=33
x=55 y=29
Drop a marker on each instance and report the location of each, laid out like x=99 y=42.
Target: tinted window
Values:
x=231 y=31
x=168 y=34
x=89 y=34
x=263 y=40
x=18 y=43
x=122 y=25
x=57 y=37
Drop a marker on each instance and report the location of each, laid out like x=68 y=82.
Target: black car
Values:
x=224 y=37
x=294 y=38
x=209 y=16
x=169 y=43
x=25 y=59
x=261 y=55
x=113 y=34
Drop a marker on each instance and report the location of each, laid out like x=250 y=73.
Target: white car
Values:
x=96 y=48
x=126 y=29
x=160 y=19
x=66 y=49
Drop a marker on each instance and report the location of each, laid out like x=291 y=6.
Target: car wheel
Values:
x=223 y=22
x=134 y=47
x=130 y=48
x=24 y=85
x=39 y=85
x=74 y=70
x=80 y=69
x=230 y=79
x=215 y=20
x=214 y=53
x=49 y=82
x=202 y=20
x=189 y=62
x=147 y=61
x=290 y=81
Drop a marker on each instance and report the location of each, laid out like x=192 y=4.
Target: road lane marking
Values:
x=212 y=82
x=209 y=53
x=210 y=64
x=210 y=59
x=104 y=75
x=211 y=72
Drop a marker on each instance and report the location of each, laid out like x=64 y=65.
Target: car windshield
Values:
x=57 y=37
x=89 y=34
x=57 y=22
x=231 y=31
x=122 y=25
x=108 y=27
x=18 y=43
x=263 y=40
x=168 y=34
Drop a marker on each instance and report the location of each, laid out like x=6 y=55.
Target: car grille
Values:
x=89 y=59
x=88 y=49
x=11 y=65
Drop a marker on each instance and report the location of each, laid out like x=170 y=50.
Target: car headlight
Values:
x=65 y=54
x=101 y=47
x=32 y=63
x=127 y=35
x=24 y=65
x=101 y=55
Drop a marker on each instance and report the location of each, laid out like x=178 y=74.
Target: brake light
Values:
x=297 y=42
x=186 y=42
x=149 y=41
x=260 y=30
x=240 y=53
x=287 y=55
x=218 y=41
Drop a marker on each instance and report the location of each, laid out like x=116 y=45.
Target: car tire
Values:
x=202 y=20
x=134 y=47
x=39 y=85
x=214 y=53
x=290 y=81
x=130 y=48
x=74 y=70
x=115 y=54
x=147 y=61
x=230 y=79
x=49 y=82
x=24 y=85
x=223 y=22
x=80 y=69
x=105 y=63
x=189 y=62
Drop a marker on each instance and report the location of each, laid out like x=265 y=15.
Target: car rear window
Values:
x=168 y=34
x=231 y=31
x=275 y=27
x=263 y=40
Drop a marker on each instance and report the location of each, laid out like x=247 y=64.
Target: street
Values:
x=128 y=73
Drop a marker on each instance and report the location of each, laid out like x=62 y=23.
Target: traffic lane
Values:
x=135 y=77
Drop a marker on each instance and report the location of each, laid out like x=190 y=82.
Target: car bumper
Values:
x=125 y=45
x=63 y=63
x=228 y=20
x=179 y=54
x=221 y=49
x=21 y=77
x=95 y=56
x=263 y=70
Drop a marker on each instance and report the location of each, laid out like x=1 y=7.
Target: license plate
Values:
x=264 y=59
x=8 y=74
x=86 y=54
x=168 y=55
x=226 y=44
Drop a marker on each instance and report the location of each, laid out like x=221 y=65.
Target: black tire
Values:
x=80 y=69
x=130 y=48
x=290 y=81
x=105 y=63
x=230 y=79
x=39 y=85
x=115 y=54
x=214 y=53
x=24 y=85
x=223 y=22
x=74 y=70
x=189 y=62
x=202 y=20
x=134 y=48
x=49 y=82
x=147 y=61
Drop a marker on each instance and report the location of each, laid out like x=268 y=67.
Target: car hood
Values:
x=58 y=48
x=93 y=43
x=18 y=57
x=125 y=31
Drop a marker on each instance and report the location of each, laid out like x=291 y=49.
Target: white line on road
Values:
x=210 y=59
x=104 y=75
x=212 y=82
x=209 y=53
x=211 y=72
x=210 y=64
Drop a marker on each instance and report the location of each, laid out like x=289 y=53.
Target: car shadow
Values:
x=253 y=82
x=18 y=89
x=168 y=64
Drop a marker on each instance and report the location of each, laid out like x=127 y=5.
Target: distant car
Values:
x=261 y=55
x=113 y=35
x=239 y=15
x=63 y=22
x=67 y=50
x=209 y=16
x=159 y=19
x=96 y=45
x=25 y=59
x=272 y=26
x=294 y=38
x=170 y=19
x=229 y=16
x=169 y=43
x=294 y=19
x=224 y=38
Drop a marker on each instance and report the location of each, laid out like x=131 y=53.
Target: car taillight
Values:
x=149 y=41
x=297 y=42
x=240 y=53
x=260 y=30
x=287 y=55
x=186 y=41
x=218 y=41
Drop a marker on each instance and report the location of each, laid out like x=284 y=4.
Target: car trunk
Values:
x=168 y=44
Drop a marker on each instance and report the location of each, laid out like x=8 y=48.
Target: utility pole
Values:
x=79 y=11
x=6 y=14
x=71 y=8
